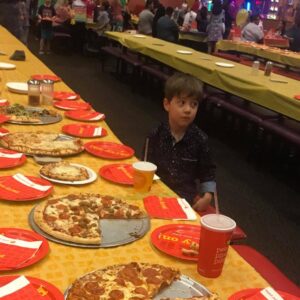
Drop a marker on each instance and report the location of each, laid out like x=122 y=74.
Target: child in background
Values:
x=46 y=13
x=179 y=148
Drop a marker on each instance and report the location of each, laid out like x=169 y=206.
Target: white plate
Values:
x=225 y=65
x=92 y=177
x=139 y=35
x=184 y=52
x=18 y=87
x=6 y=66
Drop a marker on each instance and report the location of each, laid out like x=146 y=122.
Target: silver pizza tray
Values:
x=44 y=119
x=184 y=287
x=114 y=232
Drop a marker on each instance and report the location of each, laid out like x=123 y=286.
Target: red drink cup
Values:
x=216 y=232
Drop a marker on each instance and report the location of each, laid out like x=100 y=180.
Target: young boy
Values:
x=179 y=148
x=46 y=13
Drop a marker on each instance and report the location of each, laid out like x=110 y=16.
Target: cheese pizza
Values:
x=41 y=143
x=133 y=281
x=64 y=171
x=75 y=217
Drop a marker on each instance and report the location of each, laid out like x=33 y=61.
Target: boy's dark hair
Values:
x=169 y=11
x=183 y=84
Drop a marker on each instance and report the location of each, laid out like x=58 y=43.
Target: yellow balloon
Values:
x=242 y=17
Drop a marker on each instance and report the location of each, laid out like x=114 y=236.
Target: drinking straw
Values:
x=216 y=202
x=146 y=149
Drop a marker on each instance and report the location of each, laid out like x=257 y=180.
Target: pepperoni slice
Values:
x=116 y=295
x=141 y=290
x=149 y=272
x=94 y=288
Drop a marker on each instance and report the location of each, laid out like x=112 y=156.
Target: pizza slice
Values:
x=65 y=171
x=192 y=250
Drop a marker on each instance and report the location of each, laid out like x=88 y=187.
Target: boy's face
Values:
x=182 y=111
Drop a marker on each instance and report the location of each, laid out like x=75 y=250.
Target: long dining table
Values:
x=285 y=57
x=276 y=92
x=64 y=263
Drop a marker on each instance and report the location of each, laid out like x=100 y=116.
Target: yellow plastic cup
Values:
x=143 y=175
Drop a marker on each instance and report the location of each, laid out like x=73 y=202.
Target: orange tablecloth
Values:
x=63 y=264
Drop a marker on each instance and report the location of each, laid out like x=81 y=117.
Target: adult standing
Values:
x=146 y=19
x=24 y=15
x=159 y=11
x=117 y=15
x=216 y=27
x=10 y=16
x=166 y=28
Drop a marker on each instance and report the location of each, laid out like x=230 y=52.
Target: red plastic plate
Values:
x=118 y=173
x=297 y=97
x=45 y=77
x=84 y=130
x=4 y=118
x=170 y=239
x=4 y=102
x=72 y=105
x=83 y=115
x=240 y=295
x=44 y=288
x=109 y=150
x=12 y=190
x=29 y=236
x=61 y=95
x=10 y=162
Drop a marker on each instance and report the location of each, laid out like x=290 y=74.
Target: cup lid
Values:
x=218 y=222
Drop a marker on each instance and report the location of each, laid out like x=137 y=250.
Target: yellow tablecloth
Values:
x=63 y=264
x=193 y=36
x=237 y=81
x=274 y=54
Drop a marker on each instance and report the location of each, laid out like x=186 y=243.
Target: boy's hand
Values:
x=202 y=202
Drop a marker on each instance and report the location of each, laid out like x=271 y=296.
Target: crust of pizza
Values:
x=64 y=171
x=24 y=119
x=130 y=281
x=41 y=143
x=39 y=220
x=75 y=217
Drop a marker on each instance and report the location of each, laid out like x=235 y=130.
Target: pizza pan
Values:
x=184 y=287
x=114 y=232
x=44 y=119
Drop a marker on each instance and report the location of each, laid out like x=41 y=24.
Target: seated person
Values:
x=252 y=31
x=179 y=148
x=293 y=35
x=103 y=20
x=146 y=19
x=166 y=28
